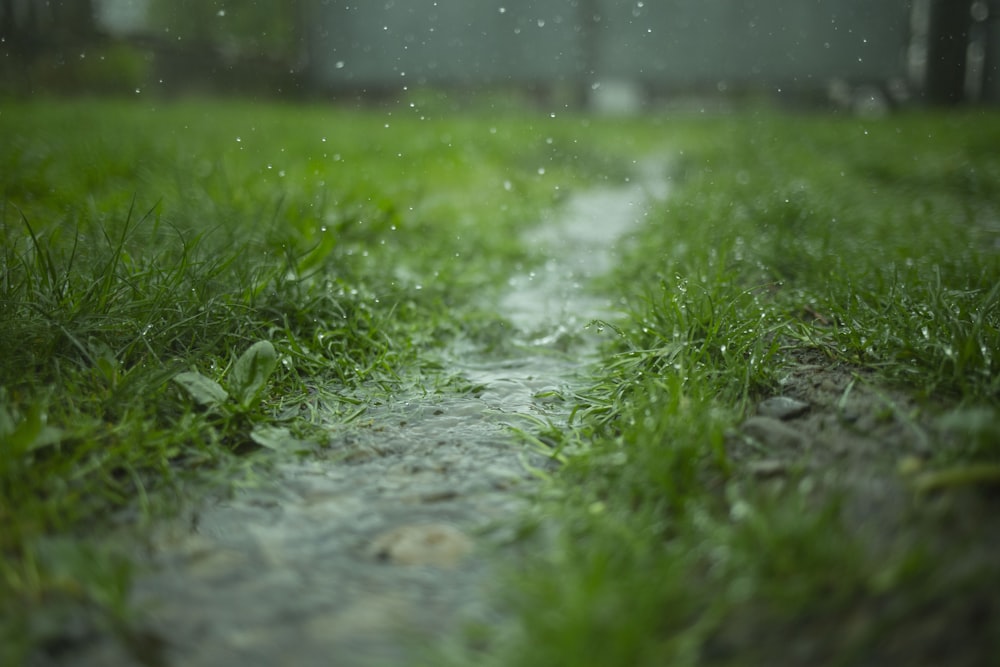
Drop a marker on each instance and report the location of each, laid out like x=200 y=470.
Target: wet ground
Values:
x=389 y=540
x=835 y=431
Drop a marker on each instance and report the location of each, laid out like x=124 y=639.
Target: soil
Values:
x=837 y=432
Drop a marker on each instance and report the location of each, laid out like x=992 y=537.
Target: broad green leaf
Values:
x=28 y=433
x=105 y=361
x=20 y=435
x=202 y=389
x=251 y=372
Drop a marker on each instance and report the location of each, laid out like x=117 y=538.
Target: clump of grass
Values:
x=93 y=335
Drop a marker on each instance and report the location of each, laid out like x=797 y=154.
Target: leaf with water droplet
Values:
x=251 y=373
x=203 y=390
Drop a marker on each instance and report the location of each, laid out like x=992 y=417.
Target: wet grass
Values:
x=865 y=246
x=187 y=285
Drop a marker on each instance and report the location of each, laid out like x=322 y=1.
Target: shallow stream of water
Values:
x=352 y=558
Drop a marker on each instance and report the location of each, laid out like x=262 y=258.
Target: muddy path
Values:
x=389 y=539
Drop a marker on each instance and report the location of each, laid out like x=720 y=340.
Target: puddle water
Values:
x=350 y=560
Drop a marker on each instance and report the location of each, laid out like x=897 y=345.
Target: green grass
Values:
x=149 y=253
x=868 y=244
x=184 y=285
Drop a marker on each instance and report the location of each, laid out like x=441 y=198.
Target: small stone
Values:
x=782 y=407
x=435 y=544
x=909 y=466
x=829 y=385
x=767 y=468
x=773 y=433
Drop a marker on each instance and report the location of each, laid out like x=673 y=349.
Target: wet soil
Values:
x=931 y=597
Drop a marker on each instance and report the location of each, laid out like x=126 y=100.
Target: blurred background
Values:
x=612 y=56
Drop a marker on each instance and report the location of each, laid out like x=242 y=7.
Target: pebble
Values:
x=773 y=433
x=782 y=407
x=434 y=544
x=767 y=468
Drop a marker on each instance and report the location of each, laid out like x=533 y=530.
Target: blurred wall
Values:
x=665 y=44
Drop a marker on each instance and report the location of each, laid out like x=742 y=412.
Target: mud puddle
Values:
x=387 y=540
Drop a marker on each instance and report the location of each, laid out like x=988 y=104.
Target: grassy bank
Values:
x=848 y=264
x=185 y=286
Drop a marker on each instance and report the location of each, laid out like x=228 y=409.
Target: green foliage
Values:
x=247 y=382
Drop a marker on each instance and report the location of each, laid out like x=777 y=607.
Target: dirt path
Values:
x=389 y=539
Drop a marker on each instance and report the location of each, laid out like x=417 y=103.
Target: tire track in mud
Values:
x=358 y=555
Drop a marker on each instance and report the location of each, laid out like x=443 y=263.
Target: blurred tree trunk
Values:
x=74 y=20
x=19 y=32
x=40 y=40
x=947 y=43
x=589 y=19
x=6 y=19
x=46 y=25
